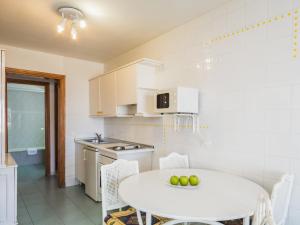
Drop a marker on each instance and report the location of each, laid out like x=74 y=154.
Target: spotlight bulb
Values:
x=61 y=25
x=74 y=33
x=82 y=24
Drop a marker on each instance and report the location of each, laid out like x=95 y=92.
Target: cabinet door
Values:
x=91 y=188
x=8 y=195
x=95 y=100
x=126 y=85
x=80 y=167
x=108 y=94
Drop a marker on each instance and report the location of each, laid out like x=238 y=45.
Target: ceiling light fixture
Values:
x=75 y=16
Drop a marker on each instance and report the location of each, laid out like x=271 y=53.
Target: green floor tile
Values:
x=41 y=202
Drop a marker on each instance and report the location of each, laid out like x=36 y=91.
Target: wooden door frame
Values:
x=47 y=117
x=61 y=83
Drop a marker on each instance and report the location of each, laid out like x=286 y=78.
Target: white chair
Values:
x=263 y=214
x=174 y=161
x=111 y=176
x=280 y=198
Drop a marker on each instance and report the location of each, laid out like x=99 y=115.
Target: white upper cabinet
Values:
x=126 y=91
x=108 y=94
x=130 y=79
x=95 y=101
x=126 y=85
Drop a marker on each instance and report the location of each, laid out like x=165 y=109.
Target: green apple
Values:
x=194 y=180
x=174 y=180
x=183 y=180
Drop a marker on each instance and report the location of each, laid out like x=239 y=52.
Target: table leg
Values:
x=246 y=221
x=148 y=219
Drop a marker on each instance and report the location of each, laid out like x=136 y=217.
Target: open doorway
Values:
x=28 y=124
x=36 y=120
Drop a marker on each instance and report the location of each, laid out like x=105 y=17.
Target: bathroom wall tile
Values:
x=296 y=170
x=296 y=194
x=295 y=146
x=236 y=19
x=232 y=101
x=254 y=72
x=277 y=97
x=275 y=167
x=293 y=71
x=281 y=28
x=254 y=99
x=255 y=121
x=256 y=10
x=255 y=144
x=295 y=122
x=278 y=7
x=279 y=145
x=279 y=73
x=279 y=49
x=295 y=3
x=294 y=217
x=296 y=96
x=278 y=121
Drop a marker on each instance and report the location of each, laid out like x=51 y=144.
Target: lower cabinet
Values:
x=8 y=195
x=91 y=179
x=80 y=159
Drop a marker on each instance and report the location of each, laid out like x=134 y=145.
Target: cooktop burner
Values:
x=124 y=148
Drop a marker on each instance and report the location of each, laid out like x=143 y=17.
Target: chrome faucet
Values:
x=99 y=137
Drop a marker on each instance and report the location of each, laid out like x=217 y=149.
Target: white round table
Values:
x=219 y=197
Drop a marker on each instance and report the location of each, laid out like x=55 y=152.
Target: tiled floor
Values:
x=41 y=202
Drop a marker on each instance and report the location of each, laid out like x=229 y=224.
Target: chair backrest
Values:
x=280 y=198
x=111 y=176
x=173 y=161
x=263 y=213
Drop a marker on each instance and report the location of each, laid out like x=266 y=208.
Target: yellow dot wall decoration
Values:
x=294 y=14
x=295 y=33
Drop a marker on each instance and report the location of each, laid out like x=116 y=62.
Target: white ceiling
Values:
x=114 y=26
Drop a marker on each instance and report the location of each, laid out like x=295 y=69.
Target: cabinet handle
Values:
x=84 y=158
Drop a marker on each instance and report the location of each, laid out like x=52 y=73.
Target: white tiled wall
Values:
x=250 y=93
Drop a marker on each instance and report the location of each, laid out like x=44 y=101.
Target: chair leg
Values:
x=104 y=214
x=246 y=221
x=139 y=217
x=148 y=219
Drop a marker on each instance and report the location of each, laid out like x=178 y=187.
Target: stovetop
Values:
x=126 y=147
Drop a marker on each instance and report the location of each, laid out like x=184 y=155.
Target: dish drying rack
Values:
x=183 y=121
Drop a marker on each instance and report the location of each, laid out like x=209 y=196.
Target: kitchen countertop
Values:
x=110 y=142
x=9 y=161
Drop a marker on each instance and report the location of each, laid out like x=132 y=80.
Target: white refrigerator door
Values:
x=91 y=174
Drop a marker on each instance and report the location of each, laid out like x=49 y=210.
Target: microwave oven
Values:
x=177 y=100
